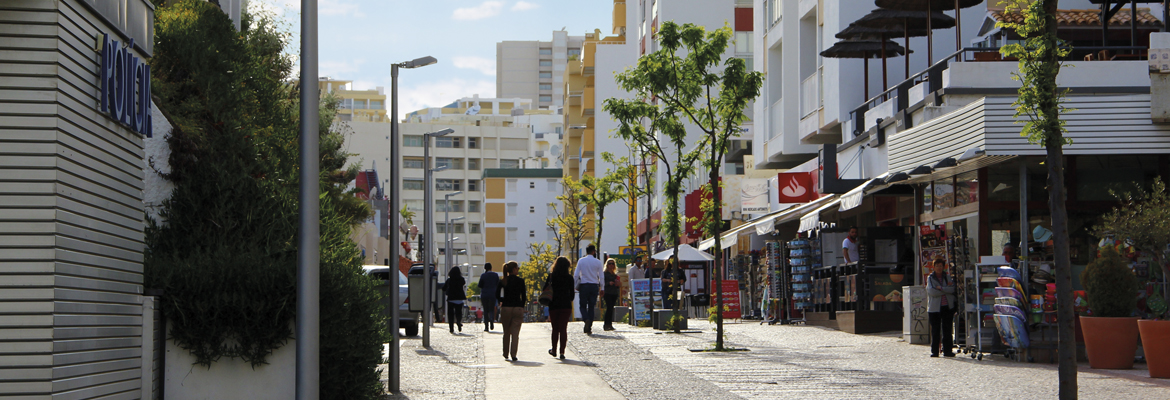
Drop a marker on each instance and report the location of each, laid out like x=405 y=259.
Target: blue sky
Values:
x=359 y=39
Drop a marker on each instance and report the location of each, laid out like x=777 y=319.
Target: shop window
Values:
x=944 y=194
x=967 y=188
x=927 y=198
x=1096 y=176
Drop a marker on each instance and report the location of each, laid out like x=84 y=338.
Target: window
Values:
x=546 y=75
x=412 y=141
x=967 y=188
x=552 y=185
x=532 y=209
x=413 y=184
x=359 y=104
x=511 y=233
x=510 y=164
x=472 y=143
x=473 y=164
x=451 y=163
x=531 y=234
x=546 y=52
x=546 y=63
x=552 y=235
x=473 y=227
x=414 y=205
x=413 y=163
x=441 y=227
x=376 y=105
x=532 y=185
x=449 y=185
x=511 y=185
x=473 y=206
x=743 y=42
x=473 y=185
x=512 y=210
x=455 y=206
x=575 y=52
x=447 y=142
x=546 y=86
x=545 y=98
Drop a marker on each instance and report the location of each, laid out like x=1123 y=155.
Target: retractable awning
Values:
x=762 y=225
x=812 y=219
x=853 y=198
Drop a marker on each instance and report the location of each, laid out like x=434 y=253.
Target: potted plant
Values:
x=1111 y=334
x=1141 y=220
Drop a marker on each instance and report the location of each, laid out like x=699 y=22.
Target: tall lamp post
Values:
x=447 y=228
x=428 y=215
x=394 y=184
x=308 y=323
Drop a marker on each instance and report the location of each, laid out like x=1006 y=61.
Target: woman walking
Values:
x=940 y=309
x=512 y=300
x=560 y=309
x=456 y=290
x=613 y=290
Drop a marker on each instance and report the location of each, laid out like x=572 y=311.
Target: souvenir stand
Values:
x=980 y=335
x=870 y=290
x=801 y=256
x=774 y=285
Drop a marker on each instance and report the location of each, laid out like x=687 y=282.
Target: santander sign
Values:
x=795 y=187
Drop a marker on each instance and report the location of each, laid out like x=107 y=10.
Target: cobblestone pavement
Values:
x=817 y=363
x=451 y=369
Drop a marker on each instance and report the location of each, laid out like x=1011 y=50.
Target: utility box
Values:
x=915 y=326
x=415 y=283
x=1159 y=58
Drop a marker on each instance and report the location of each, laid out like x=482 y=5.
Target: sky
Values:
x=360 y=39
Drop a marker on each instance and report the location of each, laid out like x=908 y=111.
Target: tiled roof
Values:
x=1085 y=18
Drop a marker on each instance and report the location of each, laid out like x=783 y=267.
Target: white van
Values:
x=407 y=320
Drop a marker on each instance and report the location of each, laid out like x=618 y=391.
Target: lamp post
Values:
x=428 y=215
x=308 y=323
x=447 y=229
x=395 y=239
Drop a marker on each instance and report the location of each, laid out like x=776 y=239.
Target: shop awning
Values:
x=812 y=219
x=762 y=225
x=964 y=166
x=853 y=198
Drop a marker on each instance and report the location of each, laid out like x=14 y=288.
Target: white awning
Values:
x=811 y=220
x=706 y=244
x=766 y=225
x=728 y=241
x=853 y=198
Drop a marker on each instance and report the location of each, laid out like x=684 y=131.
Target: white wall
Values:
x=230 y=378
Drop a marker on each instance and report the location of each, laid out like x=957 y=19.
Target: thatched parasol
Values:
x=931 y=6
x=862 y=33
x=907 y=20
x=865 y=50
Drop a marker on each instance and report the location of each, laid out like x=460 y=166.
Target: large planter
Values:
x=1156 y=343
x=1110 y=343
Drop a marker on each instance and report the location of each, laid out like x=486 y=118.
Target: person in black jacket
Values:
x=613 y=288
x=456 y=290
x=560 y=309
x=512 y=299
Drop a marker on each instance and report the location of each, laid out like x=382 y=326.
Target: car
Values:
x=407 y=320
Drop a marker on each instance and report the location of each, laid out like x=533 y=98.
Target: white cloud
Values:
x=524 y=6
x=486 y=66
x=339 y=69
x=324 y=7
x=337 y=7
x=485 y=10
x=441 y=93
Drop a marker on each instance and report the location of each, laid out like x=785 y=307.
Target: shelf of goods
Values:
x=996 y=311
x=800 y=262
x=774 y=259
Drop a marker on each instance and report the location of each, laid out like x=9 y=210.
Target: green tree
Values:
x=625 y=175
x=571 y=220
x=714 y=101
x=224 y=251
x=659 y=128
x=535 y=270
x=1041 y=101
x=1142 y=219
x=600 y=193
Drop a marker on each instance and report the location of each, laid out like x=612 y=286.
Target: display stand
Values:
x=980 y=336
x=776 y=288
x=800 y=262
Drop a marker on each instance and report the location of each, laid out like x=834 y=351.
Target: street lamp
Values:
x=428 y=214
x=395 y=182
x=447 y=228
x=308 y=322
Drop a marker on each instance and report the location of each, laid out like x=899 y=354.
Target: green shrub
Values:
x=711 y=315
x=1110 y=286
x=675 y=320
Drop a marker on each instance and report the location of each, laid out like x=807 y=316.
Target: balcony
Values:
x=587 y=142
x=810 y=93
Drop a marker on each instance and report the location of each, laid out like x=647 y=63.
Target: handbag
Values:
x=546 y=295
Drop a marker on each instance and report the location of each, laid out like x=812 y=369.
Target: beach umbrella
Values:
x=863 y=49
x=931 y=6
x=855 y=31
x=907 y=20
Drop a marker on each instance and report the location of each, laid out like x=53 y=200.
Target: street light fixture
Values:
x=395 y=182
x=428 y=216
x=447 y=228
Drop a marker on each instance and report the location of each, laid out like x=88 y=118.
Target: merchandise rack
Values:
x=801 y=258
x=777 y=291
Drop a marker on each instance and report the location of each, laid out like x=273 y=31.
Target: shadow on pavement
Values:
x=526 y=363
x=579 y=363
x=601 y=336
x=430 y=352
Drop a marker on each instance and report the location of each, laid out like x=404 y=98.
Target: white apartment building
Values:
x=518 y=204
x=535 y=70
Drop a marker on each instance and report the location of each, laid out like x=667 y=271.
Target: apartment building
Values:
x=518 y=204
x=534 y=70
x=488 y=133
x=356 y=105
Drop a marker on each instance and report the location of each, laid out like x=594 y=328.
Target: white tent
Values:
x=686 y=253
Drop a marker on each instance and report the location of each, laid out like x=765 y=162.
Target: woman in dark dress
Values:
x=613 y=289
x=456 y=291
x=560 y=309
x=512 y=300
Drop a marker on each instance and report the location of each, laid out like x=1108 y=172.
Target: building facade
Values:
x=518 y=204
x=534 y=70
x=356 y=105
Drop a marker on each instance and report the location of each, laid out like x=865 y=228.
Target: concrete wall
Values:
x=230 y=378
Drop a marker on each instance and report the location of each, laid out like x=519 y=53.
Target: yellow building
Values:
x=517 y=204
x=356 y=105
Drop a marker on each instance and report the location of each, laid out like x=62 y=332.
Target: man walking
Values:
x=849 y=247
x=587 y=279
x=488 y=282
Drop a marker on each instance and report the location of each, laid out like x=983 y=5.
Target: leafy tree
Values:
x=571 y=220
x=535 y=270
x=1142 y=219
x=1041 y=101
x=713 y=101
x=625 y=177
x=473 y=289
x=224 y=251
x=600 y=193
x=658 y=127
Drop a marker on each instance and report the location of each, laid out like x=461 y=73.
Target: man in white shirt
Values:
x=587 y=279
x=634 y=270
x=849 y=245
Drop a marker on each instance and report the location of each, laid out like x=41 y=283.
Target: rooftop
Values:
x=1087 y=18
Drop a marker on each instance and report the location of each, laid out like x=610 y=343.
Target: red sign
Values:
x=730 y=299
x=795 y=187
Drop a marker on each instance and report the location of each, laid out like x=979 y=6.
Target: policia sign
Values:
x=125 y=85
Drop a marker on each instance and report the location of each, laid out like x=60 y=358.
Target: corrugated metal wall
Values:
x=947 y=136
x=71 y=214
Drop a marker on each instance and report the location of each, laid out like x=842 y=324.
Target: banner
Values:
x=730 y=299
x=753 y=196
x=641 y=298
x=795 y=187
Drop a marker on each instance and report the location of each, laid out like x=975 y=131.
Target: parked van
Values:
x=407 y=320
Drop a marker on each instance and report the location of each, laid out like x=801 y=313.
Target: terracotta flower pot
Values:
x=1111 y=343
x=1156 y=342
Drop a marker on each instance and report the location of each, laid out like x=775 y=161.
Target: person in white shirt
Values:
x=849 y=245
x=634 y=270
x=587 y=280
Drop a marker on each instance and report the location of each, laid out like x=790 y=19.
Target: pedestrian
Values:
x=512 y=295
x=940 y=309
x=850 y=248
x=560 y=309
x=588 y=278
x=634 y=270
x=488 y=283
x=456 y=289
x=613 y=287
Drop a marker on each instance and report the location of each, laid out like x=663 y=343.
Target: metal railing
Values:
x=810 y=94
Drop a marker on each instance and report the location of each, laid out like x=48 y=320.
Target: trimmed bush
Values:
x=1110 y=286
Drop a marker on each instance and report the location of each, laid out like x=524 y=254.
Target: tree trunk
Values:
x=717 y=271
x=600 y=220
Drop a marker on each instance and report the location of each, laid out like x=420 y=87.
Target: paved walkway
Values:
x=538 y=375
